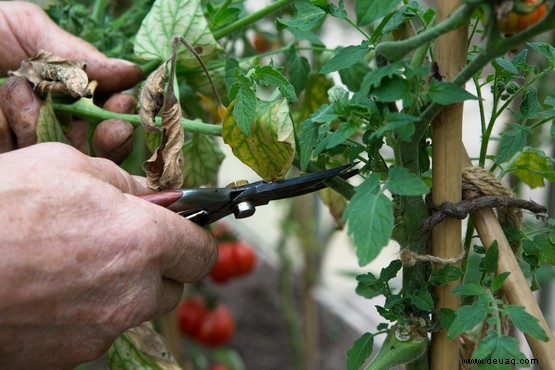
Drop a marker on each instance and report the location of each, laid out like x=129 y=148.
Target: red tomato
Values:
x=218 y=367
x=217 y=327
x=518 y=22
x=191 y=313
x=234 y=259
x=245 y=258
x=225 y=267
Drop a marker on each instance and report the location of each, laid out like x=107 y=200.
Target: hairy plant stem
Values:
x=251 y=18
x=85 y=108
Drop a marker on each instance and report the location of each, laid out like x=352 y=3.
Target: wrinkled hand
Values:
x=81 y=259
x=24 y=30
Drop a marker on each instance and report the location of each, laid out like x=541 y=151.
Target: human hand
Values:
x=24 y=30
x=82 y=259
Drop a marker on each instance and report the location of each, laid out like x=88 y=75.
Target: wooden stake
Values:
x=451 y=51
x=516 y=287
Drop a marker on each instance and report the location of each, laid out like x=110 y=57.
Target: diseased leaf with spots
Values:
x=370 y=219
x=201 y=160
x=48 y=126
x=269 y=147
x=168 y=18
x=152 y=97
x=140 y=348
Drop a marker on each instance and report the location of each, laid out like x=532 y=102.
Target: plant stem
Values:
x=395 y=50
x=86 y=109
x=251 y=18
x=356 y=26
x=99 y=10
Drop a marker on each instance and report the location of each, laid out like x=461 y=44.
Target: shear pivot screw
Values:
x=244 y=209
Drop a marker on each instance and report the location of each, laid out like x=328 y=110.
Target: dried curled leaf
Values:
x=163 y=168
x=140 y=348
x=51 y=73
x=152 y=97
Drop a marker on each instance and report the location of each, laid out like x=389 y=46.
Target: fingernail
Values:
x=20 y=94
x=123 y=62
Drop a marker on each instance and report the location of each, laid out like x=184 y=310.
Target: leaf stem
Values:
x=358 y=28
x=86 y=109
x=251 y=18
x=99 y=10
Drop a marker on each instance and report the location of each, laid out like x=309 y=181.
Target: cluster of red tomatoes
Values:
x=525 y=13
x=204 y=319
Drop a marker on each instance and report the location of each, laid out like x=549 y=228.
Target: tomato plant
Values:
x=284 y=107
x=210 y=326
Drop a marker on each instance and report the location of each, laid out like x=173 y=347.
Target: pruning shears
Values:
x=206 y=205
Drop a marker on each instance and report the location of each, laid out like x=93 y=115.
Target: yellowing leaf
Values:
x=532 y=167
x=270 y=146
x=140 y=348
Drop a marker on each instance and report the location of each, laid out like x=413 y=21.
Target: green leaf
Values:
x=446 y=93
x=445 y=275
x=533 y=167
x=402 y=182
x=547 y=50
x=244 y=105
x=512 y=141
x=468 y=317
x=343 y=132
x=498 y=352
x=530 y=107
x=201 y=160
x=505 y=65
x=370 y=219
x=360 y=351
x=168 y=18
x=306 y=18
x=299 y=69
x=489 y=262
x=394 y=89
x=446 y=317
x=525 y=322
x=346 y=57
x=401 y=124
x=369 y=286
x=374 y=78
x=352 y=77
x=269 y=147
x=498 y=281
x=267 y=75
x=542 y=247
x=468 y=289
x=48 y=126
x=423 y=300
x=391 y=271
x=400 y=16
x=368 y=11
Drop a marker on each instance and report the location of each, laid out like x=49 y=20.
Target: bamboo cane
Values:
x=516 y=288
x=451 y=50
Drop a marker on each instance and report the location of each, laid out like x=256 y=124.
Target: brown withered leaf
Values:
x=163 y=168
x=152 y=97
x=141 y=348
x=51 y=73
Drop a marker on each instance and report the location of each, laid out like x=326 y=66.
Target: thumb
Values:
x=34 y=30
